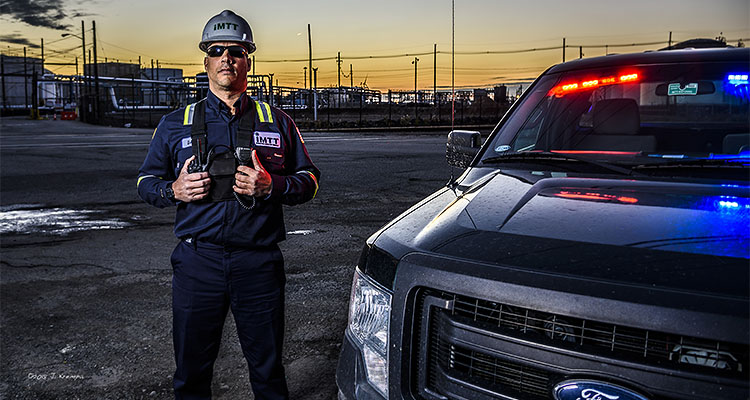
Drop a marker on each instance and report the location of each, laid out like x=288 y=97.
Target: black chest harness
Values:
x=221 y=167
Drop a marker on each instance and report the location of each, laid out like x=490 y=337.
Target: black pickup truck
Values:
x=596 y=247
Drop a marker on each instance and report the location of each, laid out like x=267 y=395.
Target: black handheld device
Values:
x=200 y=162
x=244 y=156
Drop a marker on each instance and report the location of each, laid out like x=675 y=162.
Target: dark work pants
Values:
x=207 y=281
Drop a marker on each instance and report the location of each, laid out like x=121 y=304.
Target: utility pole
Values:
x=42 y=56
x=253 y=65
x=76 y=65
x=416 y=94
x=670 y=40
x=563 y=49
x=351 y=77
x=309 y=45
x=2 y=74
x=25 y=81
x=83 y=47
x=315 y=78
x=96 y=75
x=338 y=62
x=338 y=91
x=580 y=51
x=305 y=68
x=434 y=74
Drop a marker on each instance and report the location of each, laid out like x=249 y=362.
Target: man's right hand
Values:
x=191 y=187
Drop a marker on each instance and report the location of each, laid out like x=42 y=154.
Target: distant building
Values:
x=113 y=70
x=162 y=74
x=17 y=80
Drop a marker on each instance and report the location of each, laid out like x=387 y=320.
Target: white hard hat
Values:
x=227 y=27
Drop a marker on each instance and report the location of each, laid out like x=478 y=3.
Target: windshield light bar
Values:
x=571 y=87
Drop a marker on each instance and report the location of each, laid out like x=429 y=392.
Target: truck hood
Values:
x=669 y=235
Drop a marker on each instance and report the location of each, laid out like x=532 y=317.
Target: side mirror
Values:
x=462 y=147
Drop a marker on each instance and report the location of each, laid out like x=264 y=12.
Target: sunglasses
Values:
x=234 y=51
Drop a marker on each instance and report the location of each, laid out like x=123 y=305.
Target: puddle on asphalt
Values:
x=25 y=219
x=303 y=232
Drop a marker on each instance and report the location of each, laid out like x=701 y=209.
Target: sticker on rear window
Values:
x=675 y=89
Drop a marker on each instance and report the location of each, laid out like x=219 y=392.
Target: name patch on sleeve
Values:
x=267 y=139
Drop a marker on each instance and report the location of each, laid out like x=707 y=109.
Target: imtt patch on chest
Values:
x=267 y=139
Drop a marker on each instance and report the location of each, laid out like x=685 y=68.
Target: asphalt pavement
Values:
x=85 y=279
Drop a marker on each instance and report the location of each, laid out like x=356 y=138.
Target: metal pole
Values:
x=453 y=64
x=580 y=51
x=563 y=50
x=270 y=89
x=670 y=41
x=309 y=44
x=2 y=73
x=83 y=47
x=253 y=65
x=25 y=81
x=42 y=56
x=434 y=74
x=315 y=93
x=416 y=94
x=305 y=82
x=351 y=77
x=96 y=75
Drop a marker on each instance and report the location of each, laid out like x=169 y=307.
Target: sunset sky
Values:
x=170 y=30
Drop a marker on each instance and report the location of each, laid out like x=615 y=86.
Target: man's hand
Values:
x=191 y=187
x=253 y=181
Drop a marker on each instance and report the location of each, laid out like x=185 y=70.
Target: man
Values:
x=229 y=214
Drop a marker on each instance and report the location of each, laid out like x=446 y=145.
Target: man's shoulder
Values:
x=174 y=123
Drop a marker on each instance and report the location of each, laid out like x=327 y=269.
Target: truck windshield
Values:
x=635 y=115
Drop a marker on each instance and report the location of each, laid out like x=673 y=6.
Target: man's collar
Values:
x=240 y=105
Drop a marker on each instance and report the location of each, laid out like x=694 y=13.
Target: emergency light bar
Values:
x=737 y=79
x=562 y=90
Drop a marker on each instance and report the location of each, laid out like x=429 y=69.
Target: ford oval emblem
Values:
x=593 y=390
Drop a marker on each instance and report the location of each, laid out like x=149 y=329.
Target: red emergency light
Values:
x=595 y=196
x=566 y=88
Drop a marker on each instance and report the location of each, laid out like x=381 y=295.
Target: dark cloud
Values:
x=15 y=38
x=43 y=13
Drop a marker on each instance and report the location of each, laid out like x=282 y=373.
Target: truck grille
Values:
x=485 y=370
x=498 y=375
x=615 y=341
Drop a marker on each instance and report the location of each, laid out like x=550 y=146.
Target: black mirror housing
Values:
x=462 y=147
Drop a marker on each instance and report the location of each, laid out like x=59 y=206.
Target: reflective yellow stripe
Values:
x=153 y=134
x=270 y=116
x=259 y=109
x=314 y=180
x=140 y=178
x=188 y=120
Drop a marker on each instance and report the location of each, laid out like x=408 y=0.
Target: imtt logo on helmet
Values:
x=227 y=27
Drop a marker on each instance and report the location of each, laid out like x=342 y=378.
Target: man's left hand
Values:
x=252 y=181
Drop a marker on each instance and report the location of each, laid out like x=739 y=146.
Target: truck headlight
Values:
x=369 y=318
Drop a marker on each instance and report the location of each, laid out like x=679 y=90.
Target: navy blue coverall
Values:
x=228 y=256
